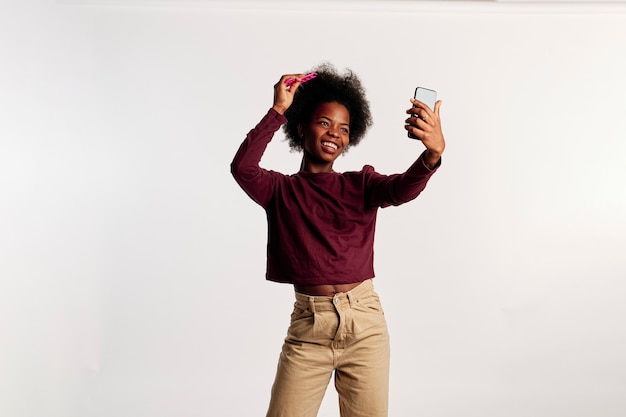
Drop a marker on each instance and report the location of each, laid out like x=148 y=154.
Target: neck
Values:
x=308 y=166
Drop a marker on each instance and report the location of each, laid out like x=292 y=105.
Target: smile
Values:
x=330 y=145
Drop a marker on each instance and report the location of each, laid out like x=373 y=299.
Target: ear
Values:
x=300 y=134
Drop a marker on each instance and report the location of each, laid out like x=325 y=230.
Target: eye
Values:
x=345 y=130
x=324 y=123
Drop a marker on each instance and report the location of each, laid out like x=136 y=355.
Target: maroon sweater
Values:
x=320 y=225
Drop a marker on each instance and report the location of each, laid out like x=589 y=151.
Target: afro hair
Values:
x=328 y=86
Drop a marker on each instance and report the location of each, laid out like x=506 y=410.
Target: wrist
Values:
x=279 y=109
x=431 y=158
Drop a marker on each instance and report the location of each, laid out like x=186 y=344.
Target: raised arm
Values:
x=385 y=190
x=258 y=183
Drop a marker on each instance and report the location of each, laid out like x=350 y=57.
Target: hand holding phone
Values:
x=426 y=96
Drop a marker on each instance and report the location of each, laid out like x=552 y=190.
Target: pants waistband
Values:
x=320 y=302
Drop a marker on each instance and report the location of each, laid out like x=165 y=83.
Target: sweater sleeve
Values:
x=396 y=189
x=257 y=182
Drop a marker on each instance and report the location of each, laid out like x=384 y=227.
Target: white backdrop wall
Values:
x=132 y=265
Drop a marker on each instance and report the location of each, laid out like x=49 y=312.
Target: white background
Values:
x=132 y=266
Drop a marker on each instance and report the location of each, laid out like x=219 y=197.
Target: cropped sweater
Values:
x=320 y=225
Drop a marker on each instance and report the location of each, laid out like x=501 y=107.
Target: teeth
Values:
x=330 y=144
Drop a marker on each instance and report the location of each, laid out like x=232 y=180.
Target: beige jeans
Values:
x=345 y=335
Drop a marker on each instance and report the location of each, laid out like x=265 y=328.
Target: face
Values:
x=325 y=136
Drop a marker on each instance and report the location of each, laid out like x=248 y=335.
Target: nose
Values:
x=333 y=132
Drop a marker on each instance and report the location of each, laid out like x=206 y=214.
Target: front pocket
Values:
x=300 y=312
x=371 y=304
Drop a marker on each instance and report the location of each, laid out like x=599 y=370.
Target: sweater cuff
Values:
x=277 y=116
x=435 y=168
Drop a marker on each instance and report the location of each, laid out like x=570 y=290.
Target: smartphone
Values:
x=426 y=96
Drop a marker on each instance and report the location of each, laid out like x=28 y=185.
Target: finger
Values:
x=420 y=113
x=437 y=107
x=294 y=76
x=431 y=115
x=416 y=109
x=292 y=79
x=413 y=121
x=417 y=123
x=418 y=104
x=291 y=87
x=419 y=134
x=286 y=80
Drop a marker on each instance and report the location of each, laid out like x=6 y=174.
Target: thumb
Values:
x=437 y=106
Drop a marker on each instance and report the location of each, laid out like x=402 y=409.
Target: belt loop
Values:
x=352 y=297
x=361 y=291
x=312 y=304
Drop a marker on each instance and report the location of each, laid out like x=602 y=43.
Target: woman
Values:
x=321 y=236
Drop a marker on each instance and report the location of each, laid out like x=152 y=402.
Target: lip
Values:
x=330 y=149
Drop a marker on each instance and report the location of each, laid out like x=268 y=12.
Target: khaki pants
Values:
x=345 y=334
